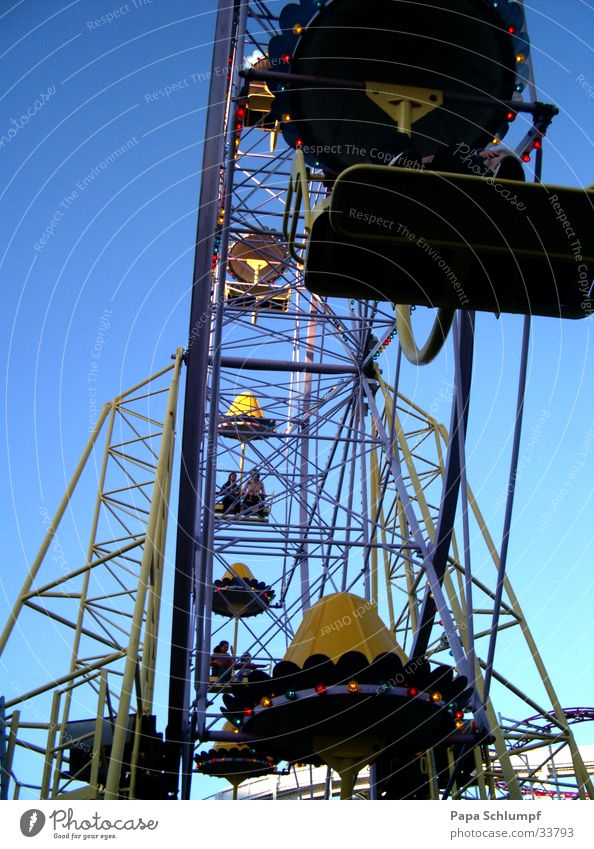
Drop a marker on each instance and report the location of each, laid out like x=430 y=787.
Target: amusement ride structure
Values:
x=325 y=520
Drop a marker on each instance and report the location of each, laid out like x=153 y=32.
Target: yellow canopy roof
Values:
x=245 y=404
x=224 y=745
x=340 y=623
x=238 y=570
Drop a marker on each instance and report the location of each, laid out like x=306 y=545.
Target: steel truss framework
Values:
x=364 y=488
x=367 y=494
x=96 y=625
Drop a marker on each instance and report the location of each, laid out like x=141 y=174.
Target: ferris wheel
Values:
x=326 y=609
x=348 y=574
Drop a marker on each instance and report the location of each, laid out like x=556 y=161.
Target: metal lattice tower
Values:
x=366 y=493
x=82 y=726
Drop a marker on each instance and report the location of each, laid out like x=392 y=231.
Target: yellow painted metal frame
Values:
x=298 y=193
x=415 y=444
x=114 y=644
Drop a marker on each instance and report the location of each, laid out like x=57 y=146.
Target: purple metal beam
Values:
x=196 y=358
x=286 y=365
x=451 y=484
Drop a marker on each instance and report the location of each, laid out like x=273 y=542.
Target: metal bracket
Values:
x=298 y=192
x=405 y=104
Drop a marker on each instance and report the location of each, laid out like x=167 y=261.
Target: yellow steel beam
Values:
x=70 y=676
x=151 y=559
x=51 y=530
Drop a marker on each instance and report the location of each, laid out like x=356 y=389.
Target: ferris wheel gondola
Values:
x=238 y=594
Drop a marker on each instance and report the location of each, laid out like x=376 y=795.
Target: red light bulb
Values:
x=537 y=144
x=241 y=112
x=512 y=29
x=526 y=157
x=412 y=691
x=320 y=688
x=511 y=116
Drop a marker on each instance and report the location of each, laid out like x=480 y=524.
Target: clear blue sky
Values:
x=75 y=89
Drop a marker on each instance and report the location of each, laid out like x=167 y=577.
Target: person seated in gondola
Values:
x=245 y=666
x=230 y=495
x=254 y=495
x=461 y=159
x=484 y=162
x=221 y=661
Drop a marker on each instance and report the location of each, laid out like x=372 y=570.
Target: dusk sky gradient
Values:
x=92 y=250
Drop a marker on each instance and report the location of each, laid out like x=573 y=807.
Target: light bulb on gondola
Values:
x=320 y=689
x=266 y=701
x=291 y=695
x=412 y=691
x=436 y=696
x=353 y=687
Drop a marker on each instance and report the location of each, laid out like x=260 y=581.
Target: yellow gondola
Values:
x=256 y=262
x=238 y=594
x=346 y=694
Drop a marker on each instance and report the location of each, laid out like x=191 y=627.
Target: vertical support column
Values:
x=97 y=737
x=196 y=358
x=205 y=536
x=480 y=773
x=4 y=774
x=304 y=456
x=151 y=557
x=12 y=738
x=149 y=649
x=51 y=746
